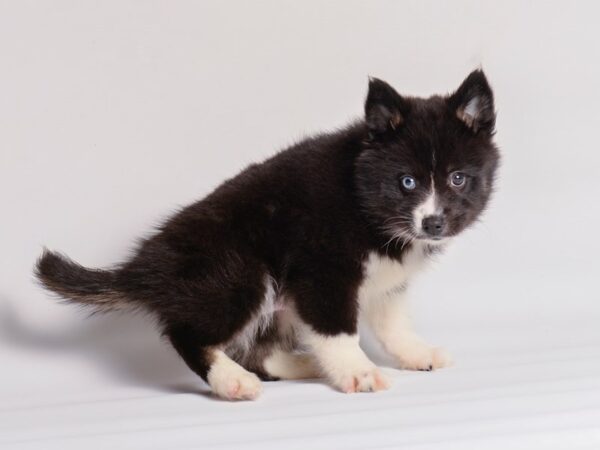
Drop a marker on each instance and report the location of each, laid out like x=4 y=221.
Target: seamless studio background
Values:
x=114 y=114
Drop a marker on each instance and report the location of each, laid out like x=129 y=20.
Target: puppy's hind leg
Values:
x=231 y=381
x=226 y=378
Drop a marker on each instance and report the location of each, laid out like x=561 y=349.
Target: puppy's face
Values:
x=427 y=170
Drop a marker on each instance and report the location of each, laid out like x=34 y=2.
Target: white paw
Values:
x=239 y=386
x=366 y=380
x=344 y=363
x=231 y=381
x=421 y=356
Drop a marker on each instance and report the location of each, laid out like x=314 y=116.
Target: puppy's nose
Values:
x=433 y=225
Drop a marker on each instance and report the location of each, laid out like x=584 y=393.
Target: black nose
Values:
x=433 y=225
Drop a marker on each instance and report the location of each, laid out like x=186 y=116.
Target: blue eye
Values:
x=408 y=182
x=457 y=179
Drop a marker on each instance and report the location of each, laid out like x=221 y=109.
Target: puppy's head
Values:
x=427 y=169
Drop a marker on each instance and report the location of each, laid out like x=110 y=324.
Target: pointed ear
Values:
x=384 y=108
x=473 y=103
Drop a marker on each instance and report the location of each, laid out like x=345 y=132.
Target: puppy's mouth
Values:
x=433 y=240
x=425 y=239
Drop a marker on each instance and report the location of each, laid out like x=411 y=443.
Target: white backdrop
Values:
x=112 y=114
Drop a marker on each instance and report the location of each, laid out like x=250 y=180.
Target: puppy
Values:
x=268 y=275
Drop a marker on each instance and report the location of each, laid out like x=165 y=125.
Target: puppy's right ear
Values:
x=385 y=109
x=473 y=103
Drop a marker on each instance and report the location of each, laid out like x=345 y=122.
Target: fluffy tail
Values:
x=76 y=283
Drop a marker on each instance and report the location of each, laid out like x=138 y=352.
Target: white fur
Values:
x=288 y=324
x=472 y=109
x=231 y=381
x=261 y=321
x=382 y=301
x=344 y=363
x=390 y=320
x=428 y=207
x=385 y=275
x=291 y=366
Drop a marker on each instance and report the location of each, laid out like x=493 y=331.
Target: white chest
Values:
x=385 y=276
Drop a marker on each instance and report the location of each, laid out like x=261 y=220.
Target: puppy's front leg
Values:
x=344 y=363
x=326 y=302
x=389 y=318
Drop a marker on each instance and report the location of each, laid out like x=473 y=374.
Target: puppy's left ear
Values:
x=473 y=103
x=385 y=109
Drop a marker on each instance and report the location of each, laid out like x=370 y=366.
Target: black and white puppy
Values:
x=268 y=275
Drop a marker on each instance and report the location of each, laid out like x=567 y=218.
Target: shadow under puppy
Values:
x=269 y=274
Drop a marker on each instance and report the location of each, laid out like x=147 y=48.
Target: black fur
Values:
x=307 y=218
